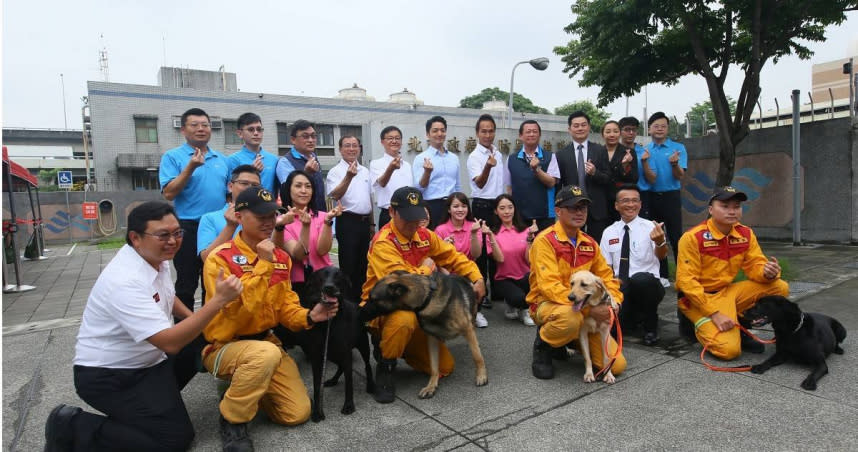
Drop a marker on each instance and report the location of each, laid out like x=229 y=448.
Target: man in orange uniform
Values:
x=242 y=348
x=403 y=244
x=710 y=256
x=557 y=253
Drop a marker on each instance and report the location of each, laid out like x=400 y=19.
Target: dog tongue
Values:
x=328 y=299
x=577 y=306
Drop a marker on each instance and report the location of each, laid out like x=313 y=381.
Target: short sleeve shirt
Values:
x=206 y=189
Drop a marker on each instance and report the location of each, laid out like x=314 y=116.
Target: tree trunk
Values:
x=727 y=161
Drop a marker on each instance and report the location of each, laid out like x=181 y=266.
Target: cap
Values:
x=259 y=200
x=727 y=192
x=408 y=201
x=569 y=196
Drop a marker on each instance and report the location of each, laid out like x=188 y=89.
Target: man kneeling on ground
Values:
x=710 y=256
x=403 y=244
x=243 y=349
x=130 y=360
x=558 y=252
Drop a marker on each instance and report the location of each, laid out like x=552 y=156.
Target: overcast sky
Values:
x=441 y=50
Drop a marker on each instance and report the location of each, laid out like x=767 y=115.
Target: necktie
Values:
x=581 y=172
x=624 y=255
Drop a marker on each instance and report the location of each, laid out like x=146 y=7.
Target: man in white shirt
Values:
x=348 y=183
x=389 y=172
x=485 y=171
x=121 y=363
x=633 y=247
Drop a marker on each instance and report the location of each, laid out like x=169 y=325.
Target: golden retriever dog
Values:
x=589 y=290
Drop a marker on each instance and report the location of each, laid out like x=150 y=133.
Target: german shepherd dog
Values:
x=445 y=306
x=804 y=337
x=330 y=285
x=589 y=289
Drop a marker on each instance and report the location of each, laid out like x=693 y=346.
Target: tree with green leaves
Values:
x=519 y=102
x=622 y=46
x=596 y=114
x=702 y=114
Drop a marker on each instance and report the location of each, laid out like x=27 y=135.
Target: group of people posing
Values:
x=532 y=220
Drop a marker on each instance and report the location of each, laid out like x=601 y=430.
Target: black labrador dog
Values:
x=804 y=337
x=347 y=332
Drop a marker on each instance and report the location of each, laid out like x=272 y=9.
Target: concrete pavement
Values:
x=664 y=400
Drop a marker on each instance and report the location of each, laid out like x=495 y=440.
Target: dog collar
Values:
x=432 y=286
x=800 y=323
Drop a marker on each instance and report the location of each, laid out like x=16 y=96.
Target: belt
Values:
x=360 y=217
x=255 y=337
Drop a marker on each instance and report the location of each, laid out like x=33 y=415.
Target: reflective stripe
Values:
x=700 y=322
x=217 y=359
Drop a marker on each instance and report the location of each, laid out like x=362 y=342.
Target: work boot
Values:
x=234 y=437
x=385 y=390
x=58 y=429
x=542 y=366
x=686 y=328
x=376 y=348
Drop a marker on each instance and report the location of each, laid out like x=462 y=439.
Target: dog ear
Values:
x=606 y=296
x=396 y=290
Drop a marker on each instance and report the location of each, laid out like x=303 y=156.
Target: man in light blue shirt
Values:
x=194 y=177
x=220 y=226
x=668 y=160
x=436 y=170
x=249 y=129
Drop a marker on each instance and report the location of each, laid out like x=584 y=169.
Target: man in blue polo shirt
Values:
x=249 y=129
x=668 y=160
x=220 y=226
x=530 y=176
x=194 y=177
x=436 y=170
x=303 y=156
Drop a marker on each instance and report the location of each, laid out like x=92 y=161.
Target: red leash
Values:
x=614 y=322
x=732 y=369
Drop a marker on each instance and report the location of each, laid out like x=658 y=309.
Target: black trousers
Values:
x=189 y=267
x=595 y=228
x=436 y=211
x=641 y=295
x=383 y=218
x=666 y=206
x=143 y=407
x=484 y=209
x=353 y=243
x=513 y=291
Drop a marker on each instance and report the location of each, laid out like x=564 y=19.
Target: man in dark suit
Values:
x=587 y=160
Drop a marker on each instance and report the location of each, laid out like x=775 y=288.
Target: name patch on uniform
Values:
x=421 y=243
x=247 y=268
x=586 y=249
x=613 y=241
x=239 y=259
x=734 y=240
x=710 y=243
x=279 y=266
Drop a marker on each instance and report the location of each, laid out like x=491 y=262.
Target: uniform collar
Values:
x=561 y=235
x=400 y=237
x=244 y=248
x=716 y=233
x=190 y=150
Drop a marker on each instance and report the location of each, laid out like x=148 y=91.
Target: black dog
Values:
x=329 y=284
x=804 y=337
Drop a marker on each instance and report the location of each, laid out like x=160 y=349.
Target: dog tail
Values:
x=839 y=331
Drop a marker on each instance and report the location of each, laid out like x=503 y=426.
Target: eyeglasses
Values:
x=198 y=125
x=246 y=183
x=629 y=201
x=165 y=236
x=259 y=129
x=658 y=126
x=307 y=136
x=393 y=139
x=630 y=129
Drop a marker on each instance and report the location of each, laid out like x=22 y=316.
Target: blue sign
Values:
x=65 y=179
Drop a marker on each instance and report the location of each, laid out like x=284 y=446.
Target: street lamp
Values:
x=540 y=64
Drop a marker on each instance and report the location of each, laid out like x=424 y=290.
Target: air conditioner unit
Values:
x=217 y=123
x=177 y=123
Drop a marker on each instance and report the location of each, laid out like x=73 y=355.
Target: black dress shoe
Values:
x=487 y=303
x=58 y=429
x=650 y=338
x=385 y=388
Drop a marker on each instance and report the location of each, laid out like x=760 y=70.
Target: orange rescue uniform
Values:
x=553 y=260
x=708 y=262
x=400 y=334
x=243 y=350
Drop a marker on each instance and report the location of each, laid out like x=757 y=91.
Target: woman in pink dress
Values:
x=513 y=238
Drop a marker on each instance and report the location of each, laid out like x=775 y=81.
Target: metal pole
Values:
x=831 y=110
x=796 y=170
x=68 y=209
x=777 y=113
x=812 y=109
x=511 y=82
x=851 y=89
x=85 y=146
x=65 y=116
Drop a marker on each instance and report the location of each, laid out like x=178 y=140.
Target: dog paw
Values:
x=588 y=377
x=809 y=384
x=318 y=416
x=609 y=378
x=427 y=392
x=348 y=408
x=482 y=380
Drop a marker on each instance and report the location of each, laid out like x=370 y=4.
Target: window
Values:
x=351 y=130
x=146 y=129
x=142 y=179
x=230 y=133
x=284 y=141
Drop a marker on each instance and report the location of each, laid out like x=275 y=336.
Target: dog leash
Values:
x=737 y=368
x=615 y=322
x=324 y=364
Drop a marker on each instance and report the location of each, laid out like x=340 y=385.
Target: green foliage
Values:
x=519 y=102
x=696 y=116
x=111 y=244
x=49 y=177
x=596 y=114
x=622 y=46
